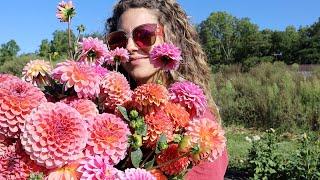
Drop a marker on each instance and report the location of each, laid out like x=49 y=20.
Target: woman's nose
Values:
x=131 y=46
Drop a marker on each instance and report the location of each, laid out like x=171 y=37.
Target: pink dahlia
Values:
x=101 y=70
x=209 y=136
x=117 y=55
x=16 y=165
x=93 y=49
x=141 y=174
x=65 y=11
x=148 y=97
x=166 y=56
x=190 y=96
x=80 y=75
x=115 y=90
x=54 y=135
x=158 y=122
x=108 y=137
x=85 y=107
x=36 y=72
x=98 y=168
x=175 y=167
x=5 y=77
x=17 y=99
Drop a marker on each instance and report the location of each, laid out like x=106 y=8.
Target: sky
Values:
x=29 y=22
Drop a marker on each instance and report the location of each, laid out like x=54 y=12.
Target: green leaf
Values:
x=142 y=130
x=136 y=157
x=124 y=112
x=149 y=164
x=162 y=140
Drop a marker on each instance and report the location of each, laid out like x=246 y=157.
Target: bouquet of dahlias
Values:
x=80 y=120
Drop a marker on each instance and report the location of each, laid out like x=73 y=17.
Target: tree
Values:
x=8 y=51
x=219 y=37
x=45 y=49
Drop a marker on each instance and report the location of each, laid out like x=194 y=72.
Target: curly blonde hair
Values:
x=179 y=31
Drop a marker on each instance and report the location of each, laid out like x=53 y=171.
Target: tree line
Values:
x=230 y=40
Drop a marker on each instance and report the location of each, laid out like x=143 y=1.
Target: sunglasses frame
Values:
x=159 y=31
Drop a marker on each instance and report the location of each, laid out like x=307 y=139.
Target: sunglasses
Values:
x=143 y=36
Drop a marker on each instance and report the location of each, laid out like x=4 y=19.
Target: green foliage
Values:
x=16 y=65
x=262 y=159
x=305 y=163
x=136 y=157
x=269 y=95
x=57 y=48
x=8 y=51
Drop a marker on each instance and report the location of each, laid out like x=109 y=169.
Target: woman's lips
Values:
x=137 y=59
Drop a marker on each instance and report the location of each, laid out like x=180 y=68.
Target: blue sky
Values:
x=28 y=22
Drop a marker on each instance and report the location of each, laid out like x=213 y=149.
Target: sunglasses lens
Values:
x=144 y=35
x=117 y=39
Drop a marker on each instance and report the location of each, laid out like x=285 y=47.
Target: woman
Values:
x=138 y=26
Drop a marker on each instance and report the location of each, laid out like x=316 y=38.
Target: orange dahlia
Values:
x=115 y=90
x=36 y=71
x=178 y=115
x=174 y=167
x=54 y=135
x=158 y=123
x=82 y=76
x=209 y=136
x=85 y=107
x=108 y=137
x=148 y=97
x=17 y=99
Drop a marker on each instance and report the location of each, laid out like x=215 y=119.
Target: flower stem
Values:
x=146 y=159
x=69 y=38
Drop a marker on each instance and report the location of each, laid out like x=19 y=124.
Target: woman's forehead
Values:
x=134 y=17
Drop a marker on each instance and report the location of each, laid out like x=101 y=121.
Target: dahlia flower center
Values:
x=60 y=128
x=92 y=54
x=19 y=90
x=165 y=59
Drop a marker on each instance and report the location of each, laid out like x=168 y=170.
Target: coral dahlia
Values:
x=108 y=137
x=178 y=115
x=166 y=56
x=115 y=90
x=158 y=122
x=80 y=75
x=175 y=167
x=85 y=107
x=5 y=77
x=209 y=136
x=190 y=96
x=15 y=164
x=150 y=96
x=17 y=99
x=54 y=135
